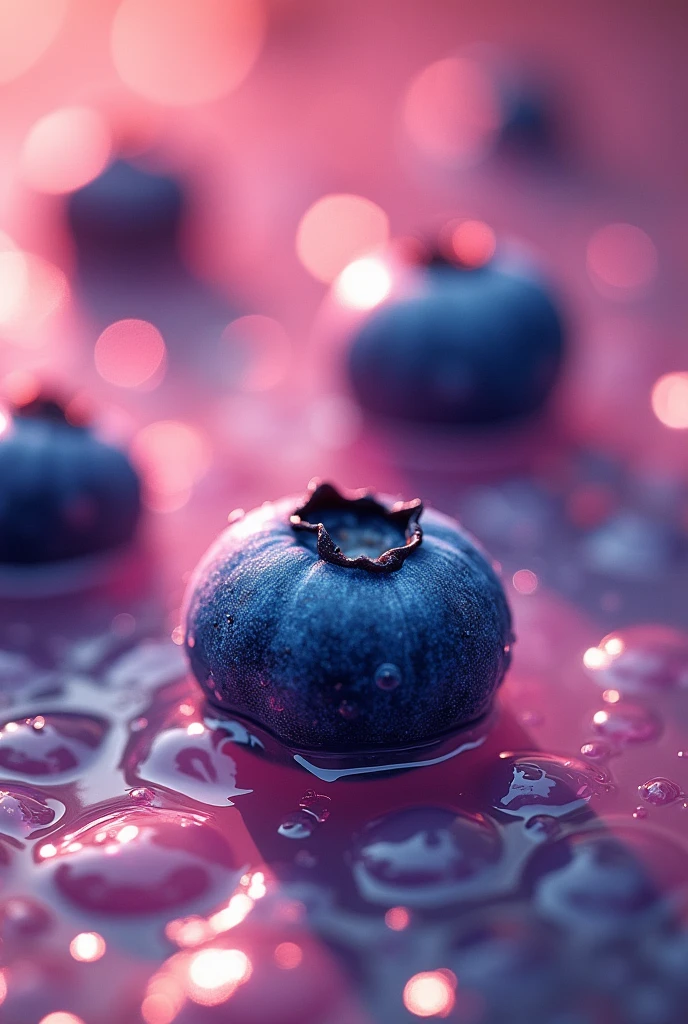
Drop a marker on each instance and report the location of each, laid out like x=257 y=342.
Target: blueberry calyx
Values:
x=404 y=515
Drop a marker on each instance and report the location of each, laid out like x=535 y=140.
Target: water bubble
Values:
x=423 y=856
x=195 y=761
x=648 y=659
x=659 y=791
x=299 y=825
x=316 y=804
x=24 y=812
x=600 y=889
x=142 y=795
x=597 y=750
x=624 y=724
x=58 y=747
x=526 y=786
x=387 y=676
x=140 y=862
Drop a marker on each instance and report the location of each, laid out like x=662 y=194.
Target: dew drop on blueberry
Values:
x=388 y=676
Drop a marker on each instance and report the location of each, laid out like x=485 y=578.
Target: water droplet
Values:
x=388 y=676
x=298 y=825
x=423 y=856
x=525 y=784
x=597 y=750
x=24 y=812
x=316 y=804
x=349 y=710
x=640 y=812
x=659 y=791
x=643 y=659
x=600 y=889
x=142 y=795
x=624 y=724
x=195 y=761
x=58 y=747
x=140 y=862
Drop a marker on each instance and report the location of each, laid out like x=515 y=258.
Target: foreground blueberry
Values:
x=346 y=623
x=63 y=492
x=469 y=345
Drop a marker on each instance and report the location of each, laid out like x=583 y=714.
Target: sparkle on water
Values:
x=473 y=243
x=130 y=354
x=364 y=283
x=186 y=52
x=670 y=400
x=66 y=149
x=525 y=581
x=288 y=956
x=87 y=947
x=337 y=229
x=452 y=111
x=621 y=258
x=429 y=994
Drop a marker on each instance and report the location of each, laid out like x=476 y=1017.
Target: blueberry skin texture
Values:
x=291 y=641
x=63 y=493
x=473 y=346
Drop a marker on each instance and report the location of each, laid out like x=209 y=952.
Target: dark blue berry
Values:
x=470 y=345
x=356 y=624
x=126 y=212
x=63 y=492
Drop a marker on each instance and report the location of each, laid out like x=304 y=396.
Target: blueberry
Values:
x=302 y=608
x=470 y=345
x=63 y=492
x=126 y=212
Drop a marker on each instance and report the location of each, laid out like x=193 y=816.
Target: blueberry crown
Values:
x=324 y=497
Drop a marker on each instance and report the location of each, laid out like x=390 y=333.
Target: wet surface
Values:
x=164 y=863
